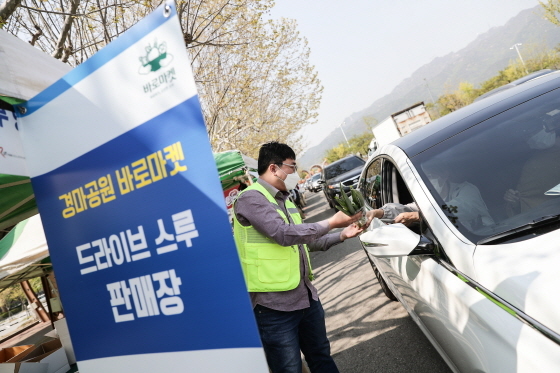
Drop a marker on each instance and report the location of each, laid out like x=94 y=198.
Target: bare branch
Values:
x=66 y=29
x=53 y=12
x=36 y=35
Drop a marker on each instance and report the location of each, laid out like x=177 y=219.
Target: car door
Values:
x=468 y=329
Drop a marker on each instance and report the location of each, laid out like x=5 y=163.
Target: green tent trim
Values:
x=8 y=240
x=11 y=100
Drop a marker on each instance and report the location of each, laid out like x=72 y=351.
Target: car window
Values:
x=342 y=167
x=499 y=174
x=370 y=184
x=383 y=185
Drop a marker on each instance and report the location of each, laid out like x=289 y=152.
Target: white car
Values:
x=480 y=272
x=314 y=185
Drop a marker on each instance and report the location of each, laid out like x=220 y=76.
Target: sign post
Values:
x=134 y=214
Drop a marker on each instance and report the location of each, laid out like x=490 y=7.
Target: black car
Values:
x=346 y=171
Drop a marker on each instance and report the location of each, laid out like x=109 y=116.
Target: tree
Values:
x=540 y=58
x=356 y=144
x=253 y=75
x=10 y=295
x=6 y=10
x=263 y=91
x=464 y=95
x=551 y=11
x=370 y=121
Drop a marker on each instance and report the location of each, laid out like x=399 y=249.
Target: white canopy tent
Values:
x=24 y=72
x=24 y=253
x=24 y=69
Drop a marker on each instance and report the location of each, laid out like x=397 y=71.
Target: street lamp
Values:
x=519 y=54
x=343 y=132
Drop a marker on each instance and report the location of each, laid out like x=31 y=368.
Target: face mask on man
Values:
x=291 y=180
x=542 y=140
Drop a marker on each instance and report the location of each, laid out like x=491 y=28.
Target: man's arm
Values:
x=252 y=208
x=405 y=214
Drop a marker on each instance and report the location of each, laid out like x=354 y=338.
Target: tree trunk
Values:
x=30 y=294
x=6 y=10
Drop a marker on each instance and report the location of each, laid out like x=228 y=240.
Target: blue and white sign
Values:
x=134 y=213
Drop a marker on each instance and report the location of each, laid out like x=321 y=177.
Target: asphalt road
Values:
x=368 y=332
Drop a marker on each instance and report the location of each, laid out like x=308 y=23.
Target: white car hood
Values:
x=526 y=274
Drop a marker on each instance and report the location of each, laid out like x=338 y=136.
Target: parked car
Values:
x=299 y=200
x=306 y=184
x=346 y=171
x=479 y=272
x=314 y=185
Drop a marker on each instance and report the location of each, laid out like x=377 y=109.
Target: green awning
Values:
x=17 y=201
x=232 y=165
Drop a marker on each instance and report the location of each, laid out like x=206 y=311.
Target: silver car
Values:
x=314 y=183
x=479 y=271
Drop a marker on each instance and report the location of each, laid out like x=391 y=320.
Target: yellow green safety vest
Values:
x=267 y=266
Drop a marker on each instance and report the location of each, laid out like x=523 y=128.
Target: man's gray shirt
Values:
x=253 y=208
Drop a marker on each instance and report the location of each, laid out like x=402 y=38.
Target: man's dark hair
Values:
x=274 y=153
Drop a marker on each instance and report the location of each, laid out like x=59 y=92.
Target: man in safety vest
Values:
x=273 y=245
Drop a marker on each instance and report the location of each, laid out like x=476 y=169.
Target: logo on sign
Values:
x=156 y=57
x=231 y=197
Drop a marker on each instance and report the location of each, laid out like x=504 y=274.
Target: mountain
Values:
x=478 y=61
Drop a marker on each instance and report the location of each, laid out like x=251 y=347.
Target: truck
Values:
x=398 y=125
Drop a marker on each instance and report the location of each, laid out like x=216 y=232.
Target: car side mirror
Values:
x=321 y=181
x=395 y=240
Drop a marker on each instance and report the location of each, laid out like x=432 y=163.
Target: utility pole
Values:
x=519 y=54
x=429 y=91
x=342 y=124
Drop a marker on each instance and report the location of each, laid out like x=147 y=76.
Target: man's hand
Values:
x=351 y=231
x=341 y=220
x=511 y=196
x=407 y=218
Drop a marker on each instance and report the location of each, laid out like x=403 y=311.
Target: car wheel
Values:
x=388 y=293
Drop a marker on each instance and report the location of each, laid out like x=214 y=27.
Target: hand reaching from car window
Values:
x=408 y=218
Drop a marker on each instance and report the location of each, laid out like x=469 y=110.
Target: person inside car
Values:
x=463 y=199
x=541 y=172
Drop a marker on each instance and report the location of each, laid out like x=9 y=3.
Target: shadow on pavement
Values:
x=317 y=207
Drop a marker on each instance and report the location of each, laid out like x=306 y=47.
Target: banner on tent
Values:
x=134 y=212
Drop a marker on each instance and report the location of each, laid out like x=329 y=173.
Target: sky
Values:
x=362 y=49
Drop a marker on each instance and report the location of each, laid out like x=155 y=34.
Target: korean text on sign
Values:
x=145 y=296
x=138 y=174
x=132 y=245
